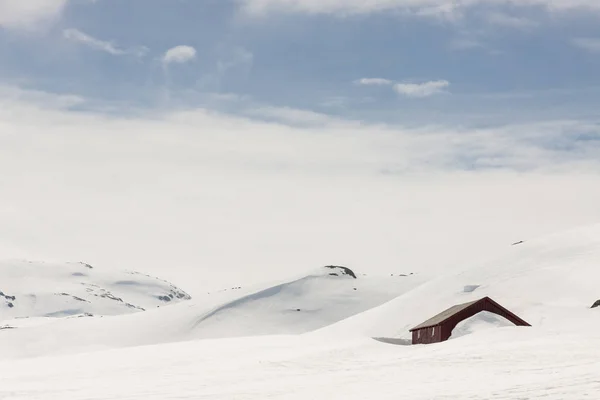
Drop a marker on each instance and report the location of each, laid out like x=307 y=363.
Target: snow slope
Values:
x=34 y=289
x=550 y=282
x=301 y=305
x=496 y=364
x=319 y=299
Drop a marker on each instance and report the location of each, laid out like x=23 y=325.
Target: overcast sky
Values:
x=230 y=137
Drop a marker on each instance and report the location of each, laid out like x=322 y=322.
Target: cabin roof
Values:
x=444 y=315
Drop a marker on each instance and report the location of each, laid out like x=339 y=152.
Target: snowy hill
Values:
x=323 y=297
x=33 y=289
x=551 y=282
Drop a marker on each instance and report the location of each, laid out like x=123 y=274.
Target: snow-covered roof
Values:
x=444 y=315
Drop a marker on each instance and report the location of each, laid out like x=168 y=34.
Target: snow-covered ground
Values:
x=36 y=290
x=304 y=304
x=550 y=282
x=502 y=364
x=312 y=338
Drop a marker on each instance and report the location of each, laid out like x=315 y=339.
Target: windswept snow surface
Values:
x=551 y=282
x=325 y=296
x=505 y=364
x=36 y=289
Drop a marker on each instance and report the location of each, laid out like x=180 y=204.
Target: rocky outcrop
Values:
x=596 y=304
x=337 y=271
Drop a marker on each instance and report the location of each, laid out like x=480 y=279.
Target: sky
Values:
x=220 y=138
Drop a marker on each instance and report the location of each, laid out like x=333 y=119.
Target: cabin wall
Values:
x=427 y=335
x=443 y=331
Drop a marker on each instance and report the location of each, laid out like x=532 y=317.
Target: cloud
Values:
x=27 y=14
x=235 y=57
x=434 y=8
x=78 y=36
x=37 y=98
x=591 y=45
x=373 y=81
x=252 y=185
x=510 y=21
x=293 y=116
x=179 y=55
x=424 y=89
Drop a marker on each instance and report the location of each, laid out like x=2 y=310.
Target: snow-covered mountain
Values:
x=325 y=296
x=551 y=282
x=35 y=289
x=312 y=337
x=303 y=304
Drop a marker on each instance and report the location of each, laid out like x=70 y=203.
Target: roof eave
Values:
x=418 y=328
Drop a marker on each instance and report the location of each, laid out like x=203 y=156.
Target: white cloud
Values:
x=421 y=7
x=591 y=45
x=179 y=55
x=9 y=94
x=78 y=36
x=510 y=21
x=373 y=81
x=424 y=89
x=27 y=14
x=156 y=187
x=294 y=116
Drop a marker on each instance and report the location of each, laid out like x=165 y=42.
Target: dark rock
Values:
x=10 y=305
x=345 y=270
x=7 y=297
x=109 y=295
x=134 y=306
x=74 y=297
x=596 y=304
x=182 y=295
x=516 y=243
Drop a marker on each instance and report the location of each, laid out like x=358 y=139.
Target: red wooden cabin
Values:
x=439 y=328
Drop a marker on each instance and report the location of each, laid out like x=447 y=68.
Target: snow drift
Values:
x=551 y=282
